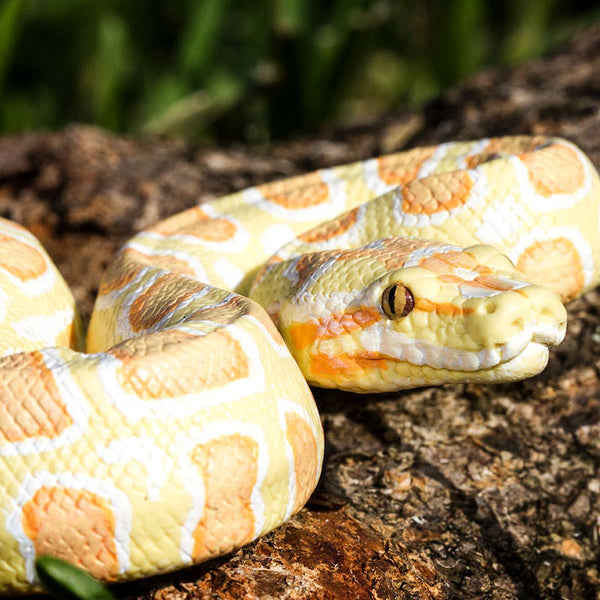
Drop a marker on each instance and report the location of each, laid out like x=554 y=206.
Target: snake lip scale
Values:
x=187 y=427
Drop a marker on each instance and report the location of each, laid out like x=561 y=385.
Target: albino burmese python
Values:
x=187 y=429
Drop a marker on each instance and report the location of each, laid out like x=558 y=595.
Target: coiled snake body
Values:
x=187 y=429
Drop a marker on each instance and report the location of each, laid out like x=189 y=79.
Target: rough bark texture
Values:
x=464 y=491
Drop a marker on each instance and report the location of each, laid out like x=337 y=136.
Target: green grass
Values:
x=224 y=69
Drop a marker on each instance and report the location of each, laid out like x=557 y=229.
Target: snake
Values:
x=184 y=427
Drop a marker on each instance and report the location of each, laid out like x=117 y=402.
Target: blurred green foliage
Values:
x=254 y=70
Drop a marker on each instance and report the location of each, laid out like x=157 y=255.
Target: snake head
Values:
x=407 y=314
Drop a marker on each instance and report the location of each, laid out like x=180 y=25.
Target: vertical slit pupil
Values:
x=397 y=301
x=392 y=299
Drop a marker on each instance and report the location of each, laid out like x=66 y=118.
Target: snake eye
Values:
x=397 y=301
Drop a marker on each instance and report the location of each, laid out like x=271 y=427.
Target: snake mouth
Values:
x=399 y=347
x=391 y=361
x=540 y=335
x=550 y=334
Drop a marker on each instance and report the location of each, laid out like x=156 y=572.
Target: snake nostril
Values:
x=489 y=308
x=548 y=313
x=518 y=323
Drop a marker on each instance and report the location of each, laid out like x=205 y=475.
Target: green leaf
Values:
x=67 y=582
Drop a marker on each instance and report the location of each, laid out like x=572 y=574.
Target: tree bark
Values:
x=464 y=491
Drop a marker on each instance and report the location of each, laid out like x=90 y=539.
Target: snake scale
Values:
x=187 y=429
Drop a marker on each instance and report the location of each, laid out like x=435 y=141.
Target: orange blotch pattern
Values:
x=330 y=229
x=501 y=147
x=444 y=265
x=21 y=260
x=160 y=299
x=445 y=262
x=297 y=193
x=31 y=405
x=392 y=253
x=304 y=447
x=180 y=222
x=225 y=313
x=353 y=319
x=325 y=365
x=306 y=264
x=229 y=467
x=217 y=229
x=303 y=335
x=398 y=169
x=197 y=223
x=169 y=364
x=446 y=309
x=491 y=282
x=556 y=169
x=430 y=195
x=121 y=273
x=166 y=262
x=75 y=525
x=556 y=263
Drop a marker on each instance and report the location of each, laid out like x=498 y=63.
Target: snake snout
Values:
x=550 y=323
x=532 y=311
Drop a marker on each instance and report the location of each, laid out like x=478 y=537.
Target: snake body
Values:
x=187 y=428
